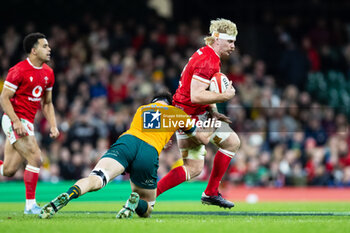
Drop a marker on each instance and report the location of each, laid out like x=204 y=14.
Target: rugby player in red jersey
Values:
x=28 y=86
x=195 y=99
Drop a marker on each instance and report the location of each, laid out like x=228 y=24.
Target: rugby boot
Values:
x=128 y=209
x=34 y=210
x=216 y=200
x=54 y=206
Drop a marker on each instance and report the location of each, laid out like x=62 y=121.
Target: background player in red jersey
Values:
x=28 y=84
x=194 y=98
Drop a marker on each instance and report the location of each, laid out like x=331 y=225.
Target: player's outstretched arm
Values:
x=200 y=94
x=49 y=113
x=6 y=105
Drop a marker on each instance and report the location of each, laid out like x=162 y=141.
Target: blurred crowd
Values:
x=105 y=69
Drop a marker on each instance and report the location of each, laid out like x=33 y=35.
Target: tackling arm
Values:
x=215 y=114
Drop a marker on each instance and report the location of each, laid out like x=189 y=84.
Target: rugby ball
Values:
x=219 y=83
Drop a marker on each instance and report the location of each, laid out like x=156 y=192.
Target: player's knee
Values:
x=147 y=214
x=236 y=143
x=35 y=160
x=100 y=178
x=34 y=157
x=33 y=150
x=232 y=143
x=94 y=183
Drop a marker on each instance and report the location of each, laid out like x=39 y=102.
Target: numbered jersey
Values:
x=203 y=64
x=29 y=84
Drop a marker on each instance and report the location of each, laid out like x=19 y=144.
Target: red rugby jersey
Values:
x=29 y=84
x=203 y=64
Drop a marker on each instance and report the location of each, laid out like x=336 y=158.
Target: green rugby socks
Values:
x=141 y=207
x=74 y=192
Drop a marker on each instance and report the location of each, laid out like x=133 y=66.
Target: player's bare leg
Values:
x=28 y=148
x=105 y=170
x=12 y=160
x=193 y=157
x=228 y=148
x=140 y=201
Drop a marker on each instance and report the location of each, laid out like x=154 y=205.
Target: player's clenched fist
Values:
x=54 y=133
x=230 y=91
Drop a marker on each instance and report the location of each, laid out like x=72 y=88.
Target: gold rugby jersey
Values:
x=155 y=123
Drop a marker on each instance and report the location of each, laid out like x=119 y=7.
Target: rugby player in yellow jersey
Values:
x=135 y=152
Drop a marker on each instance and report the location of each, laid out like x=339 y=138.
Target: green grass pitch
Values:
x=184 y=216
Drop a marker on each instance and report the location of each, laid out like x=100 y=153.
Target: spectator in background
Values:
x=294 y=65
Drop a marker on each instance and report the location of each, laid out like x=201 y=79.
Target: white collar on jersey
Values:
x=35 y=67
x=223 y=36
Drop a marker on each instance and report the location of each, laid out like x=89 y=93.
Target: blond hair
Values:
x=221 y=26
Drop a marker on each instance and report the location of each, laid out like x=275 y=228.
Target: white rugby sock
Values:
x=30 y=203
x=2 y=169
